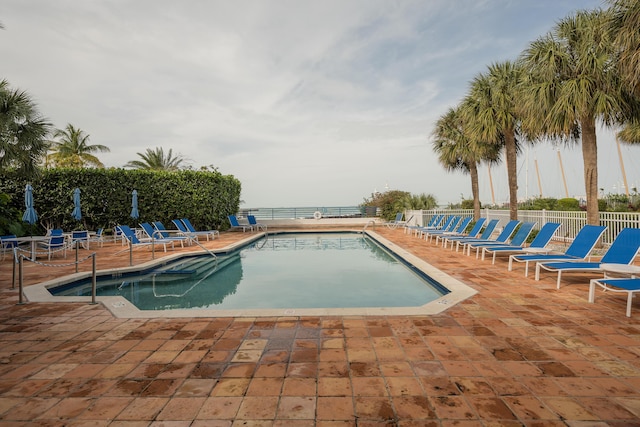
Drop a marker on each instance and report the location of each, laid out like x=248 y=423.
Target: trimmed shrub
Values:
x=205 y=197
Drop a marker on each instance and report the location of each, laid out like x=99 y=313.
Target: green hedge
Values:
x=205 y=197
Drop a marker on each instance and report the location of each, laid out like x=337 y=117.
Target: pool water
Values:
x=302 y=270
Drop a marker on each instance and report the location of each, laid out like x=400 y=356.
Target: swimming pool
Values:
x=235 y=261
x=281 y=271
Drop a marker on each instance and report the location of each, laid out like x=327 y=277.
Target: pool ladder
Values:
x=371 y=221
x=206 y=249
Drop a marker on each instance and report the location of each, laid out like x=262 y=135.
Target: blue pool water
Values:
x=302 y=270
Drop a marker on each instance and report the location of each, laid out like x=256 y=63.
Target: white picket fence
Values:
x=571 y=221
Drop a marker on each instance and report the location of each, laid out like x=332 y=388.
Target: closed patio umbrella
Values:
x=134 y=205
x=30 y=215
x=77 y=213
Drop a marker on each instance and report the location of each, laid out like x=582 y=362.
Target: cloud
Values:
x=306 y=102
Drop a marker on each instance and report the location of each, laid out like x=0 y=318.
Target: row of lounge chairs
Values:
x=512 y=241
x=157 y=234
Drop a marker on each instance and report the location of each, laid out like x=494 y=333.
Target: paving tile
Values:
x=517 y=353
x=368 y=386
x=297 y=407
x=181 y=408
x=219 y=408
x=231 y=387
x=299 y=387
x=403 y=386
x=414 y=407
x=143 y=408
x=258 y=408
x=335 y=408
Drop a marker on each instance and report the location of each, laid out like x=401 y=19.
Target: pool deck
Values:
x=519 y=352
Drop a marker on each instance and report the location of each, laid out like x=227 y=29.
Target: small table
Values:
x=34 y=242
x=626 y=269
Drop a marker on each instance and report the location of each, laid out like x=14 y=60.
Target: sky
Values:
x=306 y=102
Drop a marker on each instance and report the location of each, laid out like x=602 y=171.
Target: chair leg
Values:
x=559 y=277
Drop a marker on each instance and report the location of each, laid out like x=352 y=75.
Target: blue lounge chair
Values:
x=580 y=248
x=159 y=229
x=629 y=285
x=451 y=225
x=486 y=234
x=255 y=224
x=517 y=240
x=192 y=235
x=623 y=250
x=432 y=224
x=396 y=222
x=155 y=236
x=449 y=237
x=186 y=233
x=446 y=224
x=192 y=229
x=503 y=237
x=458 y=229
x=235 y=225
x=541 y=240
x=131 y=237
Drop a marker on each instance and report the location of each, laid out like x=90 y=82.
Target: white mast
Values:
x=564 y=180
x=624 y=174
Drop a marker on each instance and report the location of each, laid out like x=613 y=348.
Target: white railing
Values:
x=571 y=221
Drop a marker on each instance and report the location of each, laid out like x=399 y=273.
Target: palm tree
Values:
x=23 y=132
x=490 y=111
x=456 y=151
x=571 y=83
x=624 y=24
x=72 y=150
x=156 y=160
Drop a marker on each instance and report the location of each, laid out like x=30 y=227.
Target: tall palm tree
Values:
x=490 y=110
x=23 y=132
x=155 y=159
x=73 y=149
x=624 y=24
x=572 y=83
x=456 y=151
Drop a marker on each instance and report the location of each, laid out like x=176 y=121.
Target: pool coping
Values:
x=120 y=307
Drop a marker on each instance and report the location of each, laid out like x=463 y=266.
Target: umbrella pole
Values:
x=13 y=275
x=20 y=280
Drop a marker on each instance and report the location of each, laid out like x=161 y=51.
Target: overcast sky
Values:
x=307 y=103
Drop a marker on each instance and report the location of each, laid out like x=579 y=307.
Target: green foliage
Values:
x=539 y=203
x=567 y=204
x=393 y=201
x=10 y=217
x=72 y=150
x=467 y=204
x=156 y=159
x=206 y=198
x=23 y=132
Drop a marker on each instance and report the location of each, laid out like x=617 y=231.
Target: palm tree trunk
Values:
x=590 y=159
x=475 y=191
x=512 y=158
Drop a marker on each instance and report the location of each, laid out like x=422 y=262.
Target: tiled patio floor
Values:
x=518 y=353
